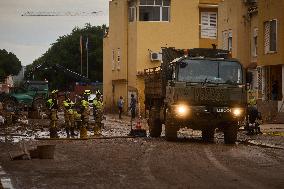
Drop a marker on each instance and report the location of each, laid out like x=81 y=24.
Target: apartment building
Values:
x=137 y=31
x=253 y=30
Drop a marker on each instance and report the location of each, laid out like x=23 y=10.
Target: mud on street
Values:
x=146 y=163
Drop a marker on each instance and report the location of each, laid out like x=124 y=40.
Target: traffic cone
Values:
x=138 y=124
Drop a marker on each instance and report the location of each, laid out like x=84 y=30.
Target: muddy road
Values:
x=147 y=163
x=143 y=162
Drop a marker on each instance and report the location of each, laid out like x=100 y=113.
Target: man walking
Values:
x=120 y=104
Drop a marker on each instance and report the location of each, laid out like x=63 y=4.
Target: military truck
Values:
x=32 y=94
x=202 y=90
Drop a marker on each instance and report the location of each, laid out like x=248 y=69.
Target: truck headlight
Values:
x=182 y=110
x=237 y=112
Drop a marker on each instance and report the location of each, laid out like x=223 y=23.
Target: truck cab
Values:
x=203 y=91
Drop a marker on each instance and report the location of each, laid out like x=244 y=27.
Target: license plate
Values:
x=223 y=110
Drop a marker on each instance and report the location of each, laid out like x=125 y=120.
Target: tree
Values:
x=66 y=52
x=9 y=64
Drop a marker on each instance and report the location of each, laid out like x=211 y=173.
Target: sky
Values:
x=29 y=37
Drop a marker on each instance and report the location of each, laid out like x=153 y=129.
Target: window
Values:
x=154 y=10
x=225 y=40
x=132 y=11
x=254 y=41
x=230 y=41
x=113 y=60
x=209 y=25
x=270 y=36
x=118 y=59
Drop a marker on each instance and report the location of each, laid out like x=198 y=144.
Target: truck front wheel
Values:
x=39 y=104
x=208 y=134
x=230 y=134
x=9 y=105
x=171 y=130
x=155 y=126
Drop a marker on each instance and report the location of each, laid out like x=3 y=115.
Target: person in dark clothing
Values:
x=133 y=103
x=274 y=90
x=120 y=104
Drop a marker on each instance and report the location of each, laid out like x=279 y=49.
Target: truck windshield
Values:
x=210 y=71
x=39 y=87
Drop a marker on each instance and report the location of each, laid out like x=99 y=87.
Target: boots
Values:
x=97 y=129
x=68 y=132
x=53 y=132
x=83 y=132
x=72 y=132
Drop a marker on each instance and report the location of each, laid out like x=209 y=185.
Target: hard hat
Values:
x=98 y=92
x=87 y=92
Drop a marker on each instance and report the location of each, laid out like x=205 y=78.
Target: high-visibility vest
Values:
x=97 y=104
x=50 y=103
x=85 y=103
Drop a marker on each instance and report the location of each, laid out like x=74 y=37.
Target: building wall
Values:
x=116 y=39
x=269 y=10
x=137 y=39
x=233 y=17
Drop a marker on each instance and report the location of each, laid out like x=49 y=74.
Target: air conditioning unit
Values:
x=155 y=56
x=250 y=1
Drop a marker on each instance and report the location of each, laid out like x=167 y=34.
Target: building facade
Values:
x=137 y=31
x=253 y=30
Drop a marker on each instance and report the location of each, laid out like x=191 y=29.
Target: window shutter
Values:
x=230 y=40
x=113 y=60
x=225 y=40
x=209 y=25
x=273 y=33
x=266 y=37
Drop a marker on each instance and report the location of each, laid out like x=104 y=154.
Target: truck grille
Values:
x=211 y=94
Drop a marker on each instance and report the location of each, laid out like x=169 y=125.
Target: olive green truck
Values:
x=202 y=90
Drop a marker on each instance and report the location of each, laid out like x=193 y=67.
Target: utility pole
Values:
x=87 y=49
x=81 y=52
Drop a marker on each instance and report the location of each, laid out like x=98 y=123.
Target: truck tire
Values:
x=9 y=105
x=208 y=134
x=155 y=126
x=39 y=104
x=230 y=134
x=171 y=129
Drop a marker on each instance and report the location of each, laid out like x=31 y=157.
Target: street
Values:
x=147 y=163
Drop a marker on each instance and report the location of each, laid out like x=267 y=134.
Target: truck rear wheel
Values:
x=9 y=105
x=39 y=104
x=208 y=134
x=155 y=127
x=155 y=124
x=171 y=130
x=230 y=134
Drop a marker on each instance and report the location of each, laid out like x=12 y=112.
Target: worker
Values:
x=98 y=113
x=251 y=98
x=254 y=118
x=69 y=116
x=85 y=113
x=52 y=105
